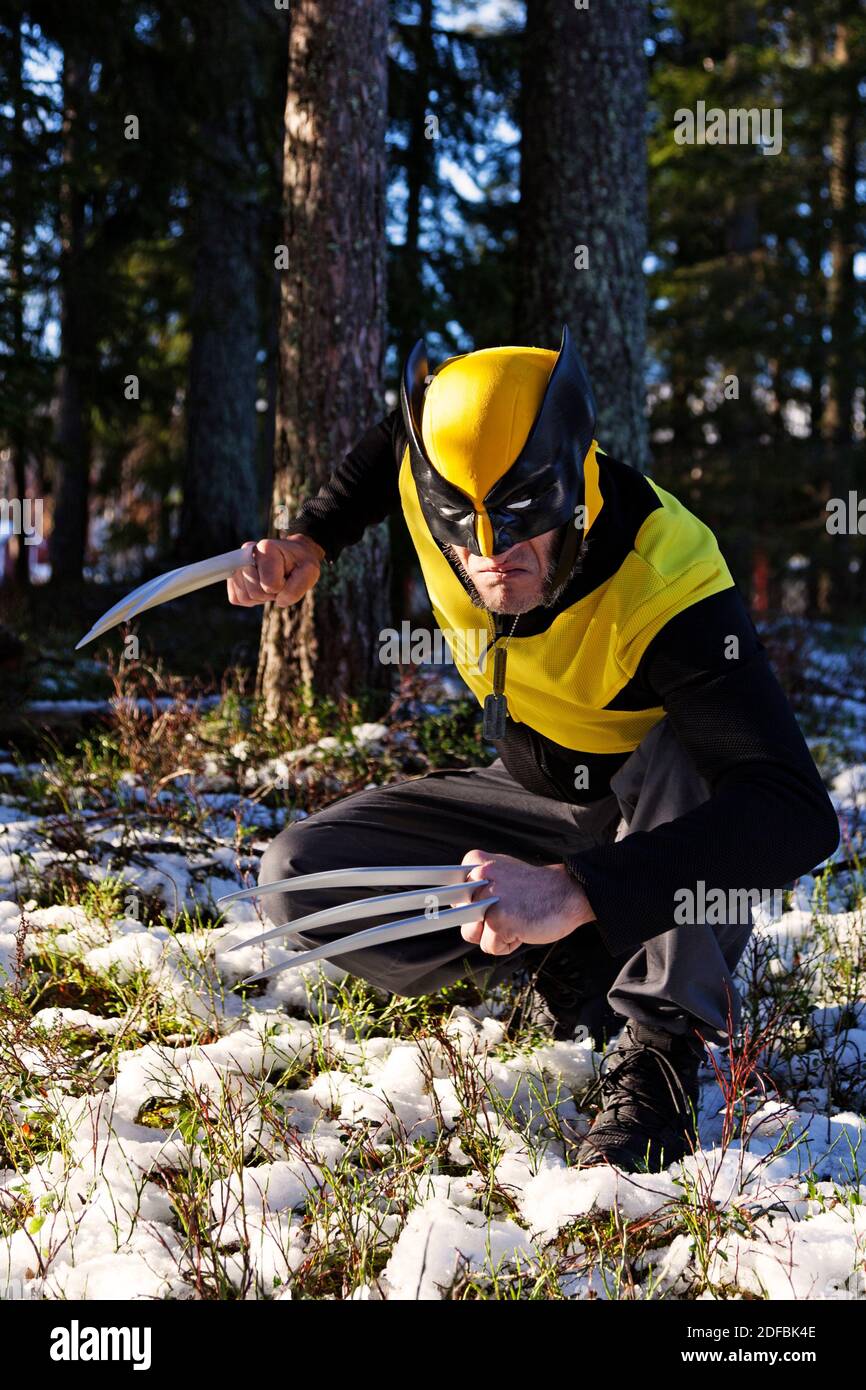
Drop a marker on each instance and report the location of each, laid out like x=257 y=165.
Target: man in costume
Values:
x=646 y=756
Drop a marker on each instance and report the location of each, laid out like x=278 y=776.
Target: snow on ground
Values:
x=299 y=1139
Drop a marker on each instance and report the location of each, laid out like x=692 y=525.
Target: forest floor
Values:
x=166 y=1132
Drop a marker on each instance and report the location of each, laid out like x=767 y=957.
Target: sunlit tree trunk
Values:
x=583 y=185
x=17 y=235
x=71 y=488
x=842 y=354
x=221 y=488
x=332 y=335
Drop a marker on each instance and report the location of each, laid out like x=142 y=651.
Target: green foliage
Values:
x=753 y=280
x=453 y=93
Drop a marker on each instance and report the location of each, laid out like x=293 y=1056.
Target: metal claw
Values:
x=420 y=875
x=380 y=936
x=185 y=580
x=366 y=907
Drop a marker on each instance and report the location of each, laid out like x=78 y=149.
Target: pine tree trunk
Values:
x=71 y=488
x=583 y=183
x=739 y=424
x=419 y=160
x=814 y=242
x=842 y=288
x=17 y=236
x=406 y=284
x=221 y=488
x=332 y=335
x=842 y=357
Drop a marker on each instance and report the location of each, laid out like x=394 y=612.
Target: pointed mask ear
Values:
x=412 y=382
x=449 y=513
x=570 y=366
x=549 y=469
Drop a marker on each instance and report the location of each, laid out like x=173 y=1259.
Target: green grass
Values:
x=225 y=1120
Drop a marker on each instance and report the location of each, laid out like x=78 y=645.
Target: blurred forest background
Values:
x=223 y=225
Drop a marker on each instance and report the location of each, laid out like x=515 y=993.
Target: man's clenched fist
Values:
x=537 y=905
x=279 y=572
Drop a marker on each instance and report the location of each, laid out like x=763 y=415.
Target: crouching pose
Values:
x=651 y=781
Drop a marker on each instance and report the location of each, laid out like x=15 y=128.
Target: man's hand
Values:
x=537 y=905
x=279 y=572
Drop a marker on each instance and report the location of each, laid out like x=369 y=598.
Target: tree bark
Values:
x=221 y=488
x=842 y=356
x=332 y=336
x=17 y=285
x=419 y=164
x=841 y=287
x=583 y=183
x=814 y=241
x=71 y=487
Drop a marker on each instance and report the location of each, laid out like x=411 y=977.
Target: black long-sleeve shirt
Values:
x=768 y=818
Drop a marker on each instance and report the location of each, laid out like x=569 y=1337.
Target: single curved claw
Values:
x=431 y=875
x=380 y=936
x=455 y=895
x=163 y=589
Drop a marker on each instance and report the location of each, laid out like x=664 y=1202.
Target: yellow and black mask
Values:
x=497 y=442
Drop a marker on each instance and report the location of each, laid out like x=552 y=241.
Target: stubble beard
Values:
x=545 y=596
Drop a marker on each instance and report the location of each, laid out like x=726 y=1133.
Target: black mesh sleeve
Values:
x=769 y=818
x=362 y=490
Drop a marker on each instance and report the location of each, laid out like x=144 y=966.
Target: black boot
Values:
x=567 y=985
x=649 y=1093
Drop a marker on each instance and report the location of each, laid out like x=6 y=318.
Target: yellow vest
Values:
x=559 y=682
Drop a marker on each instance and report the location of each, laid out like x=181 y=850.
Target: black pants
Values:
x=675 y=981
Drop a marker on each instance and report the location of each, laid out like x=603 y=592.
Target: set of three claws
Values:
x=427 y=886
